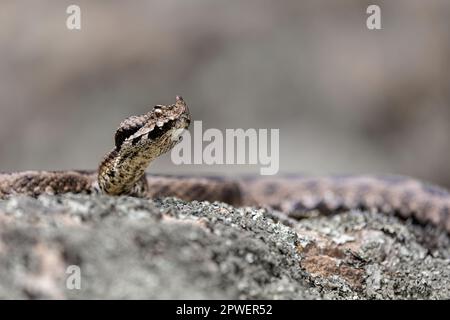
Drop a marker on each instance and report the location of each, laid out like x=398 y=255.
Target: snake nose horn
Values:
x=179 y=98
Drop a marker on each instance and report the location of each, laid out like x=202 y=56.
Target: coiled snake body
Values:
x=141 y=139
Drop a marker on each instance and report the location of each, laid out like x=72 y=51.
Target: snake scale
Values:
x=141 y=139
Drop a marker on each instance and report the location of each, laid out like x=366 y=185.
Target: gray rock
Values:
x=170 y=249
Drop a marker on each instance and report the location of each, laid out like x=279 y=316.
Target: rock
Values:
x=133 y=248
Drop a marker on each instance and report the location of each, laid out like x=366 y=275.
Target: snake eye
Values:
x=157 y=132
x=135 y=140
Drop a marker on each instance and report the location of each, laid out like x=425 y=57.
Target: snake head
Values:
x=139 y=140
x=154 y=124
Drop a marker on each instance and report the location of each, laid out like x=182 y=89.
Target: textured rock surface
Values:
x=170 y=249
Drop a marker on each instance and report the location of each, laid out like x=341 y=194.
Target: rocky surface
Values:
x=170 y=249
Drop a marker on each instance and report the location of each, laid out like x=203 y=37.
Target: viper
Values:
x=141 y=139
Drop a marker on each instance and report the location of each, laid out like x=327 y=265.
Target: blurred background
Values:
x=346 y=99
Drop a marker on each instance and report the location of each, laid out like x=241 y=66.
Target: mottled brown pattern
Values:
x=141 y=139
x=404 y=196
x=196 y=188
x=34 y=183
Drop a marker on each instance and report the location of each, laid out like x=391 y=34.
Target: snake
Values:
x=141 y=139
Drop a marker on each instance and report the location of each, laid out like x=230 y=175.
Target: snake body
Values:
x=141 y=139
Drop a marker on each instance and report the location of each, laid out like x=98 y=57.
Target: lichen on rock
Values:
x=170 y=249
